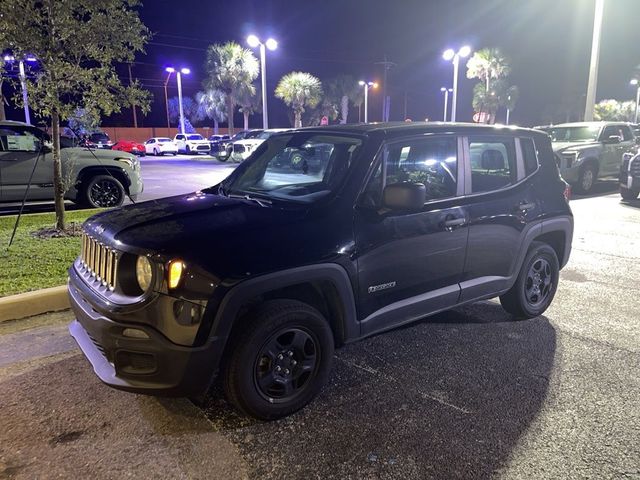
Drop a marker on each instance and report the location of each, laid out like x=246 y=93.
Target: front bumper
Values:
x=152 y=365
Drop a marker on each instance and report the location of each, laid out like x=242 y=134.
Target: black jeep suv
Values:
x=322 y=237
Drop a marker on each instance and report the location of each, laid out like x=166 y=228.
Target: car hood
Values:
x=560 y=147
x=101 y=154
x=249 y=141
x=219 y=233
x=198 y=141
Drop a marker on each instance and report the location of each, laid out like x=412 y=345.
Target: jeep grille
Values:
x=100 y=261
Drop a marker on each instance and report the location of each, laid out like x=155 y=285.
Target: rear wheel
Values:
x=536 y=284
x=628 y=194
x=103 y=191
x=279 y=361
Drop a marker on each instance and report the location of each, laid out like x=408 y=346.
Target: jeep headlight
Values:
x=144 y=272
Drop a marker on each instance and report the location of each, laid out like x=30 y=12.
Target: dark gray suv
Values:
x=100 y=178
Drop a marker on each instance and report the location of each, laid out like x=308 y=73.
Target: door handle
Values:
x=454 y=222
x=525 y=206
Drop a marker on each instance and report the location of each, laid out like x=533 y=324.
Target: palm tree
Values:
x=189 y=107
x=212 y=104
x=299 y=90
x=250 y=101
x=488 y=64
x=340 y=91
x=230 y=68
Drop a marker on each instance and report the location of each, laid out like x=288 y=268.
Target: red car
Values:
x=130 y=147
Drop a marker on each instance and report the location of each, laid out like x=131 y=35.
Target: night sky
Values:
x=549 y=42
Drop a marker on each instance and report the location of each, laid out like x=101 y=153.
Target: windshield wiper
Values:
x=260 y=201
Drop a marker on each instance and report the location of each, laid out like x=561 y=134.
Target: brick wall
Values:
x=145 y=133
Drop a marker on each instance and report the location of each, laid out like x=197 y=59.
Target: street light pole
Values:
x=455 y=58
x=446 y=91
x=166 y=97
x=595 y=58
x=367 y=86
x=636 y=83
x=25 y=96
x=178 y=76
x=271 y=44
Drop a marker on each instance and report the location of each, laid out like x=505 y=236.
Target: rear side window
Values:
x=529 y=155
x=493 y=163
x=626 y=133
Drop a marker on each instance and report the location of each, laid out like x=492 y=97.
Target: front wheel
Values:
x=628 y=194
x=536 y=284
x=586 y=179
x=279 y=361
x=103 y=191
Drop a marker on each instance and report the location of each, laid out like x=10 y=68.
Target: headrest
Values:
x=492 y=160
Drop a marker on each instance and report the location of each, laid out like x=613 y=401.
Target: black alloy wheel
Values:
x=536 y=285
x=285 y=364
x=279 y=357
x=104 y=191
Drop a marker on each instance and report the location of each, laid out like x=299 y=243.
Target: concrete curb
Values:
x=15 y=307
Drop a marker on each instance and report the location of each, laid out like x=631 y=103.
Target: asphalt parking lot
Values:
x=465 y=394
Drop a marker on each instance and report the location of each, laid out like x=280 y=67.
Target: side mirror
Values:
x=613 y=139
x=404 y=196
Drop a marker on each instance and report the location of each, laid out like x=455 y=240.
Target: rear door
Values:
x=612 y=152
x=410 y=263
x=501 y=205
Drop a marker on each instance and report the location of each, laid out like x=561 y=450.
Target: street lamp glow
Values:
x=271 y=44
x=253 y=41
x=31 y=58
x=9 y=58
x=450 y=55
x=367 y=86
x=184 y=71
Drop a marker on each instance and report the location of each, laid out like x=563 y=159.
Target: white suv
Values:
x=192 y=143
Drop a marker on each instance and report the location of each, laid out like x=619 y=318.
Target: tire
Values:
x=222 y=159
x=628 y=194
x=536 y=284
x=103 y=191
x=188 y=150
x=156 y=153
x=586 y=179
x=279 y=360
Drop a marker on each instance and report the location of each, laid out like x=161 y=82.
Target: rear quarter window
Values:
x=530 y=156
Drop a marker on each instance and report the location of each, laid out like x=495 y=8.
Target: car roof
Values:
x=587 y=124
x=398 y=129
x=15 y=123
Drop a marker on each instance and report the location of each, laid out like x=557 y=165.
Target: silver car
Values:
x=97 y=178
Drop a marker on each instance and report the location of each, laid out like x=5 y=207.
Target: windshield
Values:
x=299 y=166
x=99 y=137
x=573 y=134
x=253 y=134
x=195 y=137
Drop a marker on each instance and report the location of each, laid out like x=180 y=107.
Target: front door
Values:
x=20 y=149
x=410 y=263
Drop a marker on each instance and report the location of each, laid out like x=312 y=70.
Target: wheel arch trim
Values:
x=239 y=295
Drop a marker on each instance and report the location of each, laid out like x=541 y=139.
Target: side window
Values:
x=432 y=162
x=16 y=139
x=493 y=163
x=609 y=131
x=529 y=156
x=179 y=137
x=626 y=134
